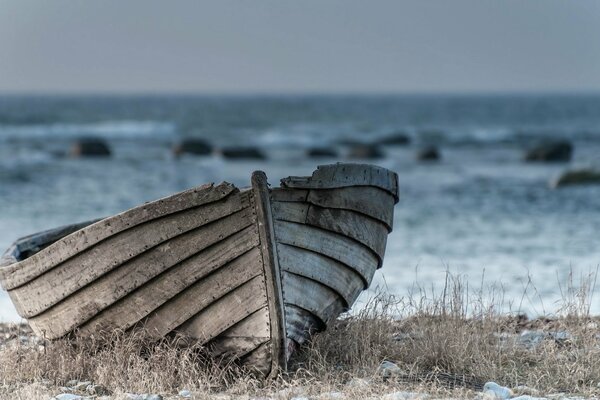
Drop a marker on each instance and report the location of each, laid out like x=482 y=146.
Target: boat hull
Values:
x=251 y=273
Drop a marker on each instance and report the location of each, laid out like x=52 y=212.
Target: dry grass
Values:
x=450 y=344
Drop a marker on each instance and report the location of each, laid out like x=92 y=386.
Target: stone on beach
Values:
x=499 y=392
x=559 y=151
x=146 y=396
x=67 y=396
x=405 y=396
x=90 y=147
x=193 y=146
x=388 y=368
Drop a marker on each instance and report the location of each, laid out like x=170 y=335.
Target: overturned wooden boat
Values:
x=251 y=273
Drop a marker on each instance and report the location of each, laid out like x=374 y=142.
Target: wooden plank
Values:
x=259 y=360
x=321 y=301
x=27 y=246
x=141 y=303
x=77 y=272
x=244 y=336
x=301 y=324
x=283 y=194
x=224 y=312
x=18 y=274
x=92 y=299
x=272 y=276
x=344 y=175
x=330 y=244
x=337 y=276
x=357 y=226
x=369 y=201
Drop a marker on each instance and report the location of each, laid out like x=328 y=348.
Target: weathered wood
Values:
x=369 y=201
x=330 y=244
x=100 y=294
x=226 y=311
x=139 y=304
x=337 y=276
x=271 y=271
x=77 y=272
x=29 y=245
x=301 y=324
x=258 y=361
x=18 y=274
x=248 y=273
x=283 y=194
x=244 y=336
x=312 y=296
x=368 y=231
x=343 y=175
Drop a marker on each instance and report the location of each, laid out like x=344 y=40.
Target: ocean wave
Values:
x=104 y=129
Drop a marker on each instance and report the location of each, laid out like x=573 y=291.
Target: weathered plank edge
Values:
x=328 y=177
x=266 y=233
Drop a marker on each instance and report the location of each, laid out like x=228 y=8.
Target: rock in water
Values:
x=429 y=153
x=316 y=152
x=365 y=151
x=577 y=177
x=559 y=151
x=252 y=153
x=396 y=139
x=90 y=147
x=193 y=146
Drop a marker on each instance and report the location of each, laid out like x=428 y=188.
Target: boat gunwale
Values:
x=17 y=267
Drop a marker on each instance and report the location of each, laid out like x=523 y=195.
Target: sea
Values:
x=480 y=215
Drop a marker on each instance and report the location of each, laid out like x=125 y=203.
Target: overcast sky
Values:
x=299 y=46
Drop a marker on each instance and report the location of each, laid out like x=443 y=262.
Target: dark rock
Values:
x=252 y=153
x=316 y=152
x=559 y=151
x=429 y=153
x=397 y=139
x=90 y=147
x=192 y=146
x=364 y=150
x=578 y=177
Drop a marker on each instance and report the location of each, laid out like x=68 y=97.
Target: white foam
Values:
x=105 y=129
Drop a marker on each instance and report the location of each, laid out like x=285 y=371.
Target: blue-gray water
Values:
x=480 y=209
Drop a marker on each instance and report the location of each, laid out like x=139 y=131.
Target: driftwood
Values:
x=251 y=273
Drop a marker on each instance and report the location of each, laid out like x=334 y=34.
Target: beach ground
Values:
x=451 y=346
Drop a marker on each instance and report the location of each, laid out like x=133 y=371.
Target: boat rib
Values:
x=249 y=273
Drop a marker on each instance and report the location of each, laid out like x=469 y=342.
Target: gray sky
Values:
x=299 y=46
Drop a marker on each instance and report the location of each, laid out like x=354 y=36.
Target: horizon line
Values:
x=296 y=93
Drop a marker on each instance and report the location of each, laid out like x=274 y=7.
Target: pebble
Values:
x=388 y=368
x=499 y=392
x=67 y=396
x=133 y=396
x=405 y=396
x=528 y=397
x=186 y=394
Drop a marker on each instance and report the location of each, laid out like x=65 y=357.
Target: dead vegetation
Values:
x=453 y=342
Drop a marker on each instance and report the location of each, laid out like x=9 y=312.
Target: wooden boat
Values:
x=251 y=273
